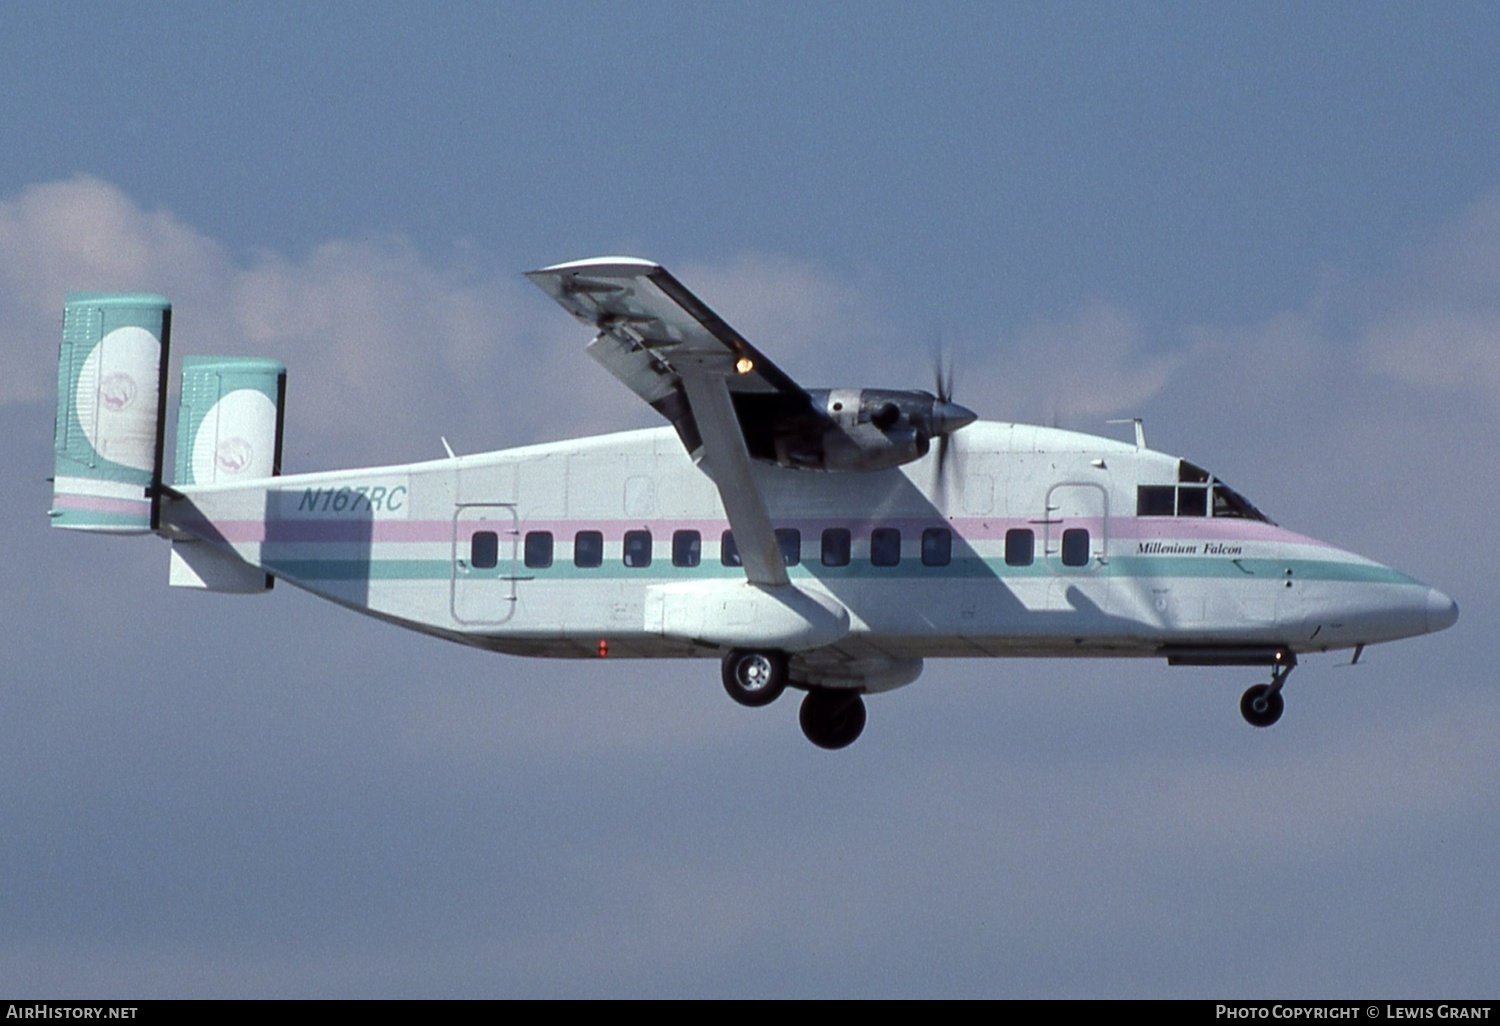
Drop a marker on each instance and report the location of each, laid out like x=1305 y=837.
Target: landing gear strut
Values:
x=832 y=718
x=1262 y=704
x=755 y=678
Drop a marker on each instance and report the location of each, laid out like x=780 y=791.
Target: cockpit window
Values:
x=1155 y=501
x=1189 y=473
x=1230 y=503
x=1192 y=502
x=1191 y=497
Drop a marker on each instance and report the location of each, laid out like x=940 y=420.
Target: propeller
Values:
x=947 y=415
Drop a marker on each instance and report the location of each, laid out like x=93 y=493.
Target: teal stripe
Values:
x=361 y=570
x=78 y=518
x=1222 y=566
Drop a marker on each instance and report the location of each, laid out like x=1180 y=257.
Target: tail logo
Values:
x=115 y=397
x=235 y=440
x=117 y=391
x=234 y=455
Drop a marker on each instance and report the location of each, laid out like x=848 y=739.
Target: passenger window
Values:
x=687 y=548
x=789 y=541
x=885 y=546
x=937 y=546
x=1155 y=501
x=637 y=548
x=729 y=552
x=1020 y=546
x=588 y=548
x=836 y=546
x=539 y=549
x=1075 y=547
x=484 y=550
x=1192 y=502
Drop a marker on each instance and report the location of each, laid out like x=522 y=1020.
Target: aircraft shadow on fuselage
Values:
x=327 y=548
x=969 y=596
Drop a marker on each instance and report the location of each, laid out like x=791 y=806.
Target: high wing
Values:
x=652 y=331
x=674 y=352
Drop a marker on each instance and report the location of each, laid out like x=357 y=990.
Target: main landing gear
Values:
x=755 y=678
x=1262 y=704
x=831 y=718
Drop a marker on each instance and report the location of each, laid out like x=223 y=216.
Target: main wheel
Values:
x=1260 y=706
x=832 y=719
x=755 y=678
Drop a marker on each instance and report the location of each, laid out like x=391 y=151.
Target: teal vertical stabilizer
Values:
x=229 y=421
x=111 y=412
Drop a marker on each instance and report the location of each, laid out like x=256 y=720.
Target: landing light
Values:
x=744 y=365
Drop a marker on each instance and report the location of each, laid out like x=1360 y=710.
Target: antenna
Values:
x=1140 y=430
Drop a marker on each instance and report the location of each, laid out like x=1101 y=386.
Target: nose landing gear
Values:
x=1262 y=704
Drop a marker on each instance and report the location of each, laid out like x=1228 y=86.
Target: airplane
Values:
x=827 y=540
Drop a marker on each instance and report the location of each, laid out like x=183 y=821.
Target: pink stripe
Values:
x=330 y=530
x=100 y=504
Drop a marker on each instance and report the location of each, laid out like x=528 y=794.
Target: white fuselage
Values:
x=540 y=551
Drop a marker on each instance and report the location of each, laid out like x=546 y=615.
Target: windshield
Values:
x=1196 y=494
x=1230 y=503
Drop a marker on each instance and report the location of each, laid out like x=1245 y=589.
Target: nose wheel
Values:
x=1262 y=704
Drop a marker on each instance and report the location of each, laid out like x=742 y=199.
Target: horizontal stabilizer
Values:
x=197 y=564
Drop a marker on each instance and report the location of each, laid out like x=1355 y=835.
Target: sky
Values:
x=1271 y=230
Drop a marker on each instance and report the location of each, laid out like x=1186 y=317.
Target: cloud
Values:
x=1440 y=329
x=1094 y=362
x=406 y=816
x=386 y=347
x=815 y=327
x=81 y=234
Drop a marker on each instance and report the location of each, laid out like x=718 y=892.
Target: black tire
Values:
x=832 y=719
x=1260 y=707
x=755 y=678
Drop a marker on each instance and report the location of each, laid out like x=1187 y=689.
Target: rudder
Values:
x=111 y=411
x=229 y=427
x=230 y=419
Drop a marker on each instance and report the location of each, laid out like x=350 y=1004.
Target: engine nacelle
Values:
x=854 y=429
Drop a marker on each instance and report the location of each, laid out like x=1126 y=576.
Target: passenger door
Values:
x=484 y=563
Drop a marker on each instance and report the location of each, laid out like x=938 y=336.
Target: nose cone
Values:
x=949 y=416
x=1442 y=611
